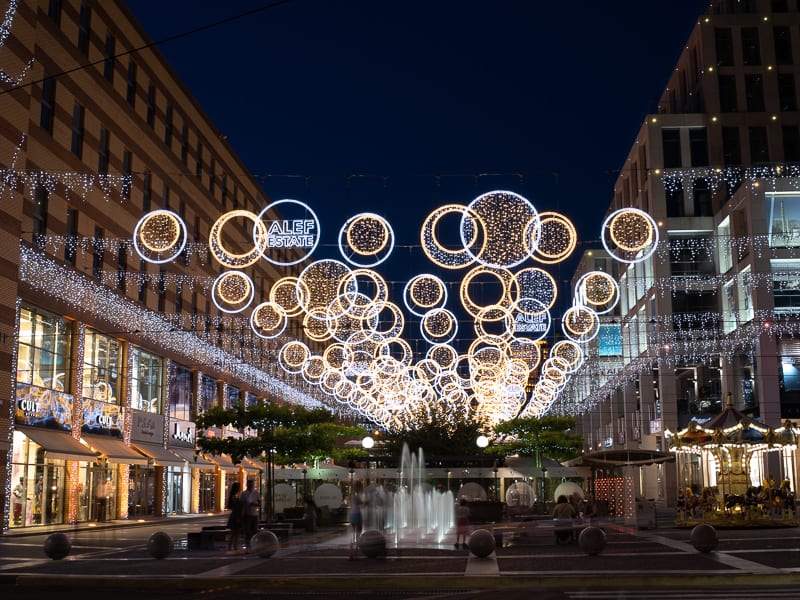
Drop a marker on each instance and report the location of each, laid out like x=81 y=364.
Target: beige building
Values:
x=106 y=354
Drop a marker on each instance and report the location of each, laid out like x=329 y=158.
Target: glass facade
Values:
x=147 y=377
x=101 y=367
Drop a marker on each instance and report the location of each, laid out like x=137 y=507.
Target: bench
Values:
x=212 y=537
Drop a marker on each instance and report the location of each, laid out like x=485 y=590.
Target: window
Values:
x=127 y=175
x=786 y=92
x=84 y=29
x=744 y=287
x=791 y=143
x=48 y=104
x=102 y=360
x=165 y=196
x=728 y=307
x=147 y=192
x=102 y=150
x=162 y=290
x=701 y=193
x=198 y=164
x=178 y=297
x=108 y=58
x=41 y=200
x=727 y=93
x=731 y=146
x=71 y=238
x=151 y=105
x=43 y=350
x=723 y=40
x=180 y=393
x=54 y=12
x=751 y=52
x=783 y=45
x=184 y=143
x=674 y=198
x=142 y=281
x=146 y=379
x=671 y=143
x=754 y=93
x=759 y=151
x=168 y=125
x=98 y=255
x=78 y=115
x=208 y=394
x=690 y=254
x=784 y=219
x=122 y=267
x=233 y=396
x=130 y=94
x=780 y=6
x=698 y=146
x=786 y=285
x=212 y=176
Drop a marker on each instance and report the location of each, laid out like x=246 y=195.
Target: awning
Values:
x=159 y=454
x=251 y=466
x=58 y=444
x=224 y=461
x=624 y=458
x=115 y=450
x=195 y=460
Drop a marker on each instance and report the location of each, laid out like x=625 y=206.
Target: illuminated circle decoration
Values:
x=438 y=326
x=499 y=318
x=268 y=320
x=629 y=235
x=296 y=229
x=533 y=282
x=313 y=369
x=160 y=236
x=552 y=238
x=531 y=318
x=293 y=355
x=503 y=280
x=423 y=293
x=320 y=283
x=229 y=258
x=580 y=323
x=366 y=236
x=568 y=351
x=466 y=233
x=315 y=325
x=368 y=282
x=232 y=291
x=526 y=350
x=598 y=290
x=507 y=220
x=288 y=293
x=444 y=355
x=389 y=321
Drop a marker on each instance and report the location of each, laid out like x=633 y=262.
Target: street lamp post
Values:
x=305 y=487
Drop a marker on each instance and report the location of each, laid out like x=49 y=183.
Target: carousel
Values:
x=735 y=471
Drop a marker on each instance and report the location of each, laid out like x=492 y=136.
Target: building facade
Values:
x=713 y=311
x=107 y=355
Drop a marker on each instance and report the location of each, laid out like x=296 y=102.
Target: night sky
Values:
x=399 y=107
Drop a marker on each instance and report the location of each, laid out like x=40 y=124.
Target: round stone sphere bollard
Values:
x=704 y=538
x=264 y=543
x=159 y=545
x=481 y=543
x=57 y=545
x=592 y=540
x=372 y=543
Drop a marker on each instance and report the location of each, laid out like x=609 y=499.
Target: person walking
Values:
x=251 y=501
x=234 y=504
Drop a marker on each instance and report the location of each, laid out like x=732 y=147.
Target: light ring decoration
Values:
x=526 y=350
x=533 y=282
x=569 y=351
x=289 y=293
x=368 y=282
x=315 y=325
x=444 y=355
x=227 y=257
x=423 y=293
x=313 y=368
x=501 y=276
x=293 y=355
x=268 y=320
x=160 y=236
x=598 y=290
x=323 y=283
x=531 y=318
x=629 y=235
x=552 y=238
x=284 y=233
x=495 y=314
x=406 y=354
x=438 y=326
x=507 y=218
x=390 y=326
x=366 y=235
x=580 y=323
x=232 y=291
x=468 y=232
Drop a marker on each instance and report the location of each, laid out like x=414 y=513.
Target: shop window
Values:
x=180 y=392
x=233 y=396
x=146 y=381
x=786 y=285
x=783 y=211
x=102 y=356
x=43 y=351
x=208 y=394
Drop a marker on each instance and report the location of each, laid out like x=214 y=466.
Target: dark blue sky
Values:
x=397 y=93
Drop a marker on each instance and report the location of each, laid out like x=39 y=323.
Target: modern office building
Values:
x=108 y=351
x=714 y=310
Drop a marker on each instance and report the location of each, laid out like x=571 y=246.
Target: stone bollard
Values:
x=159 y=545
x=704 y=538
x=264 y=543
x=592 y=540
x=481 y=543
x=57 y=545
x=372 y=543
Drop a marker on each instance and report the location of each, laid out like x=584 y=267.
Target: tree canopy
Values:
x=549 y=436
x=293 y=433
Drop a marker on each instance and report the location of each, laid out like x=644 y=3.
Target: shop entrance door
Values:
x=141 y=491
x=46 y=505
x=207 y=495
x=176 y=492
x=102 y=494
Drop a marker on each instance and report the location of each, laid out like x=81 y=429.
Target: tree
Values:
x=437 y=430
x=292 y=433
x=549 y=436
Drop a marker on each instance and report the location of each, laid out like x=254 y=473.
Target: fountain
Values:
x=414 y=512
